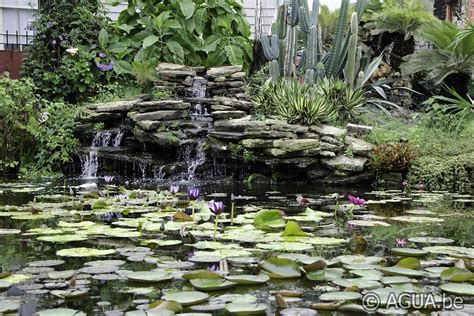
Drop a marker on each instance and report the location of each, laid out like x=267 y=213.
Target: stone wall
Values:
x=211 y=114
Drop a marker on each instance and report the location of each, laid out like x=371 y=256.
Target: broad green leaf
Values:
x=126 y=27
x=122 y=67
x=210 y=44
x=200 y=20
x=235 y=54
x=187 y=8
x=103 y=38
x=150 y=40
x=176 y=48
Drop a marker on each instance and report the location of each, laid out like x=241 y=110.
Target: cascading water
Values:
x=90 y=161
x=159 y=173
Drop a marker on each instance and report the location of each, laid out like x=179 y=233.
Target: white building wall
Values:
x=16 y=17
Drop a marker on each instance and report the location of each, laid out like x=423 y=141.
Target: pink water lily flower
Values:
x=401 y=242
x=356 y=200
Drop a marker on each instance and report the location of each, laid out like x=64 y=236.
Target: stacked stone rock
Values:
x=228 y=80
x=178 y=77
x=318 y=152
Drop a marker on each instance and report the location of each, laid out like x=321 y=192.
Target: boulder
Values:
x=226 y=135
x=359 y=147
x=327 y=130
x=270 y=134
x=329 y=147
x=219 y=107
x=332 y=140
x=294 y=145
x=158 y=115
x=226 y=115
x=239 y=125
x=358 y=130
x=299 y=162
x=147 y=106
x=279 y=125
x=117 y=106
x=88 y=115
x=345 y=163
x=327 y=154
x=223 y=71
x=238 y=75
x=257 y=143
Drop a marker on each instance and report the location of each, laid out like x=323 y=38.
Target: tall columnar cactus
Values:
x=291 y=40
x=272 y=53
x=352 y=64
x=313 y=45
x=337 y=56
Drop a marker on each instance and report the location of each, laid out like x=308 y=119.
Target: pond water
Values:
x=289 y=249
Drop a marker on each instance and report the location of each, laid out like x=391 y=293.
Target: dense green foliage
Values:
x=445 y=159
x=37 y=134
x=65 y=61
x=199 y=33
x=453 y=56
x=392 y=156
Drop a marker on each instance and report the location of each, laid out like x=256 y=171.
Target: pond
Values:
x=118 y=247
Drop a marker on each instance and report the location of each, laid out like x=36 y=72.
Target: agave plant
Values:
x=452 y=60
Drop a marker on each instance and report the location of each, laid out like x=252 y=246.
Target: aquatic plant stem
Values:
x=232 y=210
x=216 y=222
x=192 y=210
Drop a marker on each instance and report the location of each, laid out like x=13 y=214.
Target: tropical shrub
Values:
x=453 y=112
x=452 y=60
x=396 y=22
x=37 y=134
x=392 y=156
x=65 y=61
x=198 y=33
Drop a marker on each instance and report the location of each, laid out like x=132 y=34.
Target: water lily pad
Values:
x=72 y=293
x=409 y=252
x=397 y=271
x=340 y=296
x=355 y=259
x=46 y=263
x=249 y=279
x=202 y=274
x=5 y=231
x=367 y=223
x=325 y=275
x=61 y=274
x=162 y=243
x=359 y=283
x=4 y=285
x=8 y=306
x=293 y=229
x=268 y=219
x=211 y=284
x=84 y=252
x=409 y=263
x=368 y=274
x=280 y=268
x=285 y=246
x=105 y=263
x=149 y=276
x=298 y=312
x=458 y=288
x=59 y=312
x=454 y=251
x=417 y=219
x=431 y=240
x=95 y=269
x=457 y=275
x=246 y=308
x=392 y=311
x=17 y=278
x=395 y=280
x=187 y=298
x=62 y=239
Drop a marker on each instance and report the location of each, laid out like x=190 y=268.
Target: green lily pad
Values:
x=431 y=240
x=61 y=274
x=62 y=239
x=84 y=252
x=397 y=271
x=409 y=263
x=457 y=275
x=72 y=293
x=149 y=276
x=17 y=278
x=368 y=274
x=249 y=279
x=9 y=306
x=417 y=219
x=280 y=268
x=360 y=283
x=187 y=298
x=356 y=259
x=340 y=296
x=5 y=231
x=293 y=229
x=162 y=243
x=458 y=288
x=395 y=280
x=211 y=284
x=285 y=246
x=246 y=308
x=4 y=285
x=60 y=312
x=325 y=275
x=202 y=274
x=268 y=219
x=454 y=251
x=408 y=252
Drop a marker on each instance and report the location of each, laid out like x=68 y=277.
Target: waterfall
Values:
x=90 y=161
x=143 y=167
x=159 y=173
x=198 y=160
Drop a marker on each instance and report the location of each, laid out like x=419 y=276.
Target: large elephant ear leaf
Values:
x=187 y=8
x=235 y=54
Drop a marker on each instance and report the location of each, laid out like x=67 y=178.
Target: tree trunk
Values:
x=401 y=48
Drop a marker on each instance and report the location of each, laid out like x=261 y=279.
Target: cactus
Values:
x=309 y=76
x=336 y=56
x=274 y=70
x=360 y=80
x=352 y=62
x=313 y=39
x=272 y=53
x=279 y=27
x=320 y=72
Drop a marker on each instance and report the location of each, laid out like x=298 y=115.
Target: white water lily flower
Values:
x=72 y=50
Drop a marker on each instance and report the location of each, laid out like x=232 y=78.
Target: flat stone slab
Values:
x=345 y=163
x=358 y=130
x=117 y=106
x=327 y=130
x=359 y=146
x=227 y=135
x=223 y=71
x=253 y=143
x=158 y=115
x=88 y=115
x=226 y=115
x=294 y=145
x=147 y=106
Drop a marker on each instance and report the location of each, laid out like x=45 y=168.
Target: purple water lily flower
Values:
x=193 y=193
x=405 y=184
x=214 y=268
x=102 y=55
x=174 y=189
x=401 y=242
x=356 y=200
x=420 y=186
x=216 y=207
x=53 y=42
x=109 y=179
x=351 y=226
